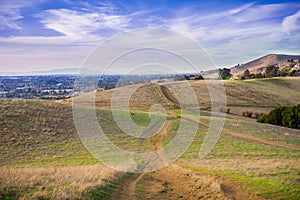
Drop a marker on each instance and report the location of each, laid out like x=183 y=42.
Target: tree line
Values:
x=287 y=116
x=269 y=72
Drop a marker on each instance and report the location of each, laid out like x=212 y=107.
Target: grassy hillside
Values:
x=41 y=154
x=271 y=169
x=39 y=133
x=260 y=95
x=36 y=132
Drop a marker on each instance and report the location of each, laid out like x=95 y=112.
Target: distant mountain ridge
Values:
x=259 y=64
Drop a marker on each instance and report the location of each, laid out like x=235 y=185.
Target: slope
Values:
x=260 y=95
x=259 y=64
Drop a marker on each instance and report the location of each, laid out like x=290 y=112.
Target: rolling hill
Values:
x=259 y=64
x=42 y=156
x=256 y=65
x=261 y=95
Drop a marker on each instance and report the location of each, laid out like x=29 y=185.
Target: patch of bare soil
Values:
x=176 y=182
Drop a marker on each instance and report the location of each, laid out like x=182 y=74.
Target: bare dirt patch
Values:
x=176 y=182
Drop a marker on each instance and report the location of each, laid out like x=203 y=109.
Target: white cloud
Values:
x=240 y=34
x=240 y=9
x=239 y=23
x=10 y=12
x=291 y=22
x=260 y=12
x=79 y=24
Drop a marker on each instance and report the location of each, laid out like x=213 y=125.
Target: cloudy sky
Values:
x=49 y=34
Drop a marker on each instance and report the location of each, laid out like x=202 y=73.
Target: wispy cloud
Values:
x=239 y=33
x=10 y=12
x=240 y=9
x=79 y=24
x=261 y=12
x=291 y=22
x=242 y=21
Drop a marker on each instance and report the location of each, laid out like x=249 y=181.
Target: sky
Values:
x=37 y=35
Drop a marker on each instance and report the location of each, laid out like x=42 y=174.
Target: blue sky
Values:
x=49 y=34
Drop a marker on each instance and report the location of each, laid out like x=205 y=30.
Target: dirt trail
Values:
x=176 y=182
x=166 y=96
x=157 y=140
x=244 y=136
x=127 y=191
x=165 y=91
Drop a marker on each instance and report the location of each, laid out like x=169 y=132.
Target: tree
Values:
x=224 y=73
x=199 y=77
x=283 y=116
x=292 y=73
x=271 y=71
x=282 y=73
x=247 y=73
x=259 y=75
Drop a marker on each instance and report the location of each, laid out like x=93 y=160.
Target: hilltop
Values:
x=261 y=63
x=257 y=65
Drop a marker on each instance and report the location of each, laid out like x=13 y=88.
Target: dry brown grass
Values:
x=52 y=182
x=260 y=95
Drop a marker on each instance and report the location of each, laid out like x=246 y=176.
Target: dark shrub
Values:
x=283 y=116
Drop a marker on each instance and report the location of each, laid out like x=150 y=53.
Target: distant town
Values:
x=37 y=87
x=56 y=87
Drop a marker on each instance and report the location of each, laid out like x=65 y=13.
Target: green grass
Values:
x=232 y=147
x=281 y=84
x=40 y=133
x=268 y=188
x=250 y=163
x=229 y=147
x=274 y=133
x=37 y=133
x=140 y=186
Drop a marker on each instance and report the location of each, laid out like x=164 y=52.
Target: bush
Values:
x=225 y=73
x=283 y=116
